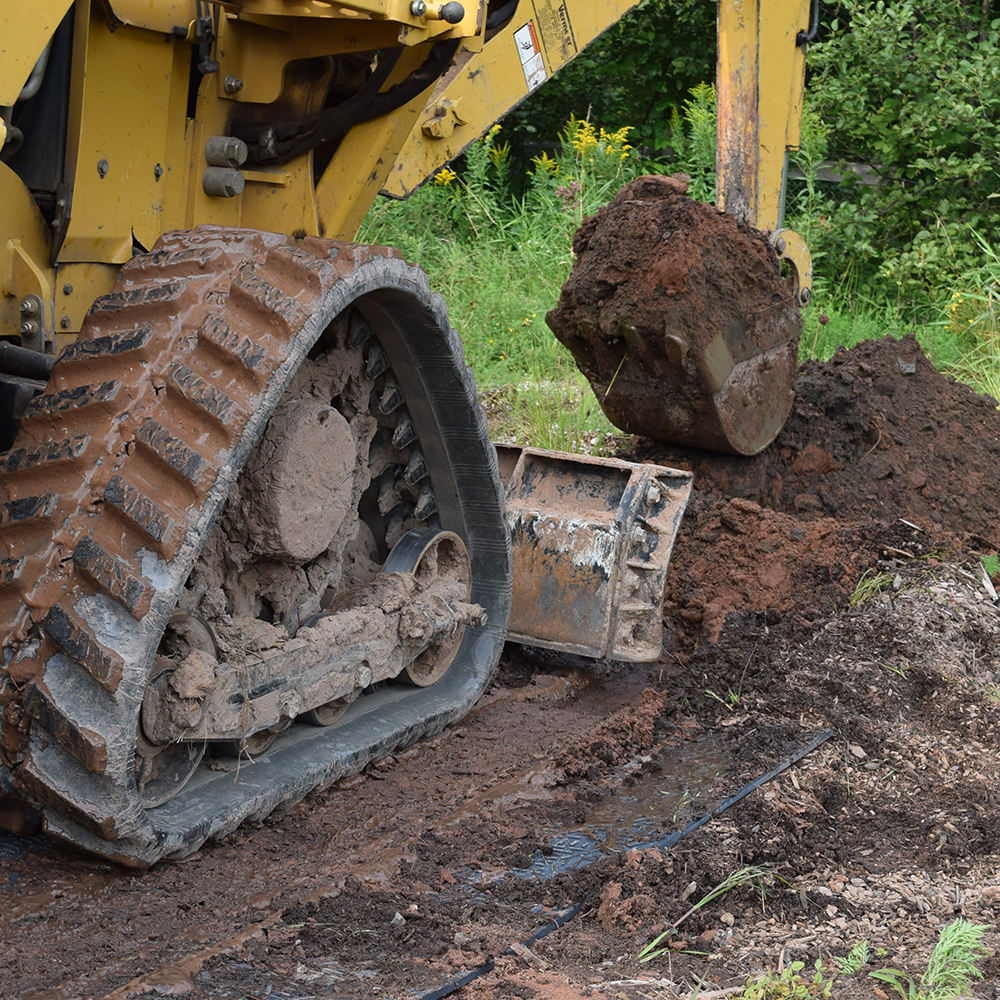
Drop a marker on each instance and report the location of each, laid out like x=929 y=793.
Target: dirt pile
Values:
x=875 y=433
x=678 y=316
x=881 y=455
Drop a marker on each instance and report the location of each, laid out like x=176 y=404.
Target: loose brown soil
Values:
x=401 y=879
x=679 y=317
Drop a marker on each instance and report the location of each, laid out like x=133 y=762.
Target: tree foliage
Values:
x=913 y=90
x=638 y=73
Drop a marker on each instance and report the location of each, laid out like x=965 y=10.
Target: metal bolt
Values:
x=30 y=328
x=157 y=173
x=418 y=8
x=222 y=182
x=779 y=245
x=225 y=151
x=67 y=289
x=232 y=84
x=64 y=322
x=653 y=496
x=805 y=295
x=363 y=677
x=29 y=305
x=102 y=168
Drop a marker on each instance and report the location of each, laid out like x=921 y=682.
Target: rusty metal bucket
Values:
x=592 y=539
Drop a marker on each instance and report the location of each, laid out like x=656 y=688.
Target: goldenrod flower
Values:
x=445 y=176
x=546 y=163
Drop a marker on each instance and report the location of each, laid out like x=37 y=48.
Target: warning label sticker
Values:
x=556 y=29
x=530 y=52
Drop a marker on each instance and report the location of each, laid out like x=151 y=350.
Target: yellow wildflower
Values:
x=445 y=176
x=546 y=163
x=500 y=154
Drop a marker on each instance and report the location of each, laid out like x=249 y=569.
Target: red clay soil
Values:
x=881 y=454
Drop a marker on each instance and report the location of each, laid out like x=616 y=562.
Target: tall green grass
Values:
x=500 y=258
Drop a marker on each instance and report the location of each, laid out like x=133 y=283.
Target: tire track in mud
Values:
x=154 y=925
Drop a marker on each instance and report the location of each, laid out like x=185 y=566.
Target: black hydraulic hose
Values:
x=272 y=142
x=501 y=16
x=23 y=363
x=804 y=37
x=567 y=915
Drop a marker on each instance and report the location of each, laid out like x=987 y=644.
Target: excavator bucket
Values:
x=591 y=542
x=681 y=320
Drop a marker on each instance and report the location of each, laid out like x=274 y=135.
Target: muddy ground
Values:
x=831 y=584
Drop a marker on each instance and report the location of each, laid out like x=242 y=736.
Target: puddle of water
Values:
x=641 y=814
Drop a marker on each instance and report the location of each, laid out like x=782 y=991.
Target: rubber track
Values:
x=118 y=473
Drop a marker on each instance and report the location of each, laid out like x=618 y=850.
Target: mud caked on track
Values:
x=398 y=880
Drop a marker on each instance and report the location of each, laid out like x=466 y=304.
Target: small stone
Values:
x=728 y=919
x=398 y=920
x=906 y=367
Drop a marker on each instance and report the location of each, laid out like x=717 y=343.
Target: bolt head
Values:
x=418 y=8
x=232 y=84
x=805 y=295
x=102 y=168
x=64 y=322
x=452 y=13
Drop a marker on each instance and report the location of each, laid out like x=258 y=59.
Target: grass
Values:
x=499 y=260
x=871 y=584
x=950 y=970
x=750 y=875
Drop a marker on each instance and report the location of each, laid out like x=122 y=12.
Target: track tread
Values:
x=141 y=482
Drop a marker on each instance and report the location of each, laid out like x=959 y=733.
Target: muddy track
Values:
x=121 y=468
x=177 y=918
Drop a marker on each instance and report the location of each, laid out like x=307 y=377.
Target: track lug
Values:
x=391 y=399
x=376 y=363
x=416 y=468
x=404 y=435
x=425 y=506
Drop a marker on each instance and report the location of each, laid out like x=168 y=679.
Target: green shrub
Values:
x=912 y=89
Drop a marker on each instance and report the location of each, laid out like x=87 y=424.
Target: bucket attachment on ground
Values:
x=591 y=539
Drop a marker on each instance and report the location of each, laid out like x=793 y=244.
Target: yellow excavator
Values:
x=254 y=533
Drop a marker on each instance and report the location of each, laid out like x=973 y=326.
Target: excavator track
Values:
x=117 y=486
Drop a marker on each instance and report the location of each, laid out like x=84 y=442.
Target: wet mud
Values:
x=443 y=858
